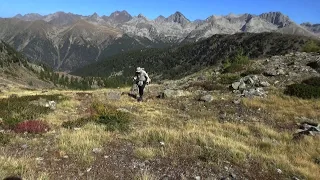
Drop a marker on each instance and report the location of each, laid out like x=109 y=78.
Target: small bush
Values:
x=303 y=91
x=314 y=81
x=229 y=78
x=311 y=46
x=115 y=121
x=237 y=63
x=32 y=126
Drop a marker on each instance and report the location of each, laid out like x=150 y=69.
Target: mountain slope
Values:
x=17 y=71
x=184 y=60
x=66 y=41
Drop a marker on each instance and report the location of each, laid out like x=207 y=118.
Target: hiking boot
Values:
x=140 y=99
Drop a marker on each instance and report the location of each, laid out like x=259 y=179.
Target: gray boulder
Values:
x=242 y=86
x=264 y=84
x=235 y=85
x=207 y=98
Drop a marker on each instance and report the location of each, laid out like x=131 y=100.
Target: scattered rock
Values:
x=96 y=150
x=162 y=143
x=281 y=72
x=113 y=95
x=52 y=105
x=25 y=146
x=207 y=98
x=242 y=86
x=39 y=159
x=295 y=178
x=237 y=101
x=197 y=178
x=89 y=169
x=307 y=128
x=279 y=171
x=232 y=175
x=264 y=84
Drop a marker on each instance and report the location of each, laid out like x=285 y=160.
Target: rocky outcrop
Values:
x=250 y=86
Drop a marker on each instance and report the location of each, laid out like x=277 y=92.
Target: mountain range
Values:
x=67 y=41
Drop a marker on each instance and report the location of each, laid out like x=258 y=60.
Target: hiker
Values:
x=141 y=79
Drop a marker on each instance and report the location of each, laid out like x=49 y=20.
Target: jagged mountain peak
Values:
x=160 y=18
x=29 y=17
x=276 y=18
x=95 y=15
x=119 y=13
x=118 y=17
x=178 y=17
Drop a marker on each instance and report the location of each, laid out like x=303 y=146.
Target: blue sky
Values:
x=297 y=10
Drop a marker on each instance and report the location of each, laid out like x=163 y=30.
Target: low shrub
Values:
x=311 y=46
x=229 y=78
x=105 y=115
x=304 y=91
x=32 y=126
x=314 y=81
x=117 y=121
x=237 y=63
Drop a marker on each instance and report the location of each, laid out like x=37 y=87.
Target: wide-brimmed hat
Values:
x=139 y=69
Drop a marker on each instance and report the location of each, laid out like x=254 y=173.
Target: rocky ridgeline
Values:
x=276 y=71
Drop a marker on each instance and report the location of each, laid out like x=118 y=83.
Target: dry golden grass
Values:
x=230 y=141
x=200 y=138
x=285 y=107
x=145 y=175
x=24 y=166
x=80 y=143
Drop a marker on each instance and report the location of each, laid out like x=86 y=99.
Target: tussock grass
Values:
x=145 y=153
x=23 y=167
x=81 y=142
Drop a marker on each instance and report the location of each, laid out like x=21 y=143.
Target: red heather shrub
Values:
x=32 y=126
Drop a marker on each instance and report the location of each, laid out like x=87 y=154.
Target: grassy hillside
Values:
x=183 y=60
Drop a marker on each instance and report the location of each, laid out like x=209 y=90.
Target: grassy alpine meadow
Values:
x=93 y=136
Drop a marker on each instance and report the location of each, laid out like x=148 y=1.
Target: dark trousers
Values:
x=141 y=89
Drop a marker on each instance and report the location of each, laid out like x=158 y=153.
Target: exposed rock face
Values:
x=276 y=18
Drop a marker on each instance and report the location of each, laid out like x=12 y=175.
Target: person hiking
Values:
x=141 y=79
